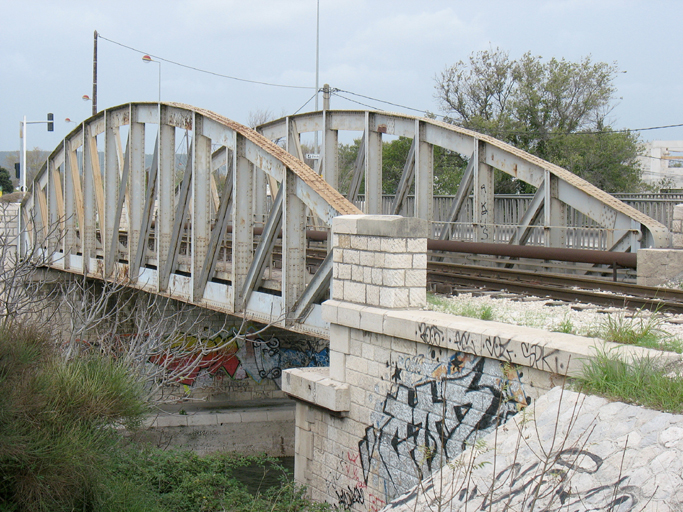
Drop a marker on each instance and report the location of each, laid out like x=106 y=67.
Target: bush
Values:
x=57 y=423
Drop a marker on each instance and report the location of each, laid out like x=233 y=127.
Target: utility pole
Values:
x=94 y=75
x=317 y=66
x=326 y=97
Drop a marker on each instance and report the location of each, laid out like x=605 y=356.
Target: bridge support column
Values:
x=373 y=168
x=482 y=214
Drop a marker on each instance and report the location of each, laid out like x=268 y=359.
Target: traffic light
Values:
x=17 y=172
x=50 y=123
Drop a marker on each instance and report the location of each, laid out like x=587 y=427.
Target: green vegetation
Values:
x=468 y=309
x=640 y=329
x=57 y=424
x=181 y=481
x=641 y=381
x=61 y=450
x=555 y=109
x=6 y=181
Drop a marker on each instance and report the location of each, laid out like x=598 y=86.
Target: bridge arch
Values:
x=200 y=230
x=560 y=193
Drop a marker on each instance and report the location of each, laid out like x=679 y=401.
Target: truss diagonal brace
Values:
x=462 y=194
x=406 y=180
x=358 y=171
x=181 y=208
x=217 y=236
x=265 y=247
x=146 y=214
x=114 y=245
x=319 y=285
x=521 y=234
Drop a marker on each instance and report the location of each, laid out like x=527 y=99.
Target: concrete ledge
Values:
x=552 y=352
x=380 y=225
x=314 y=386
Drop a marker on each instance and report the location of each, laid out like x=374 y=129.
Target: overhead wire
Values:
x=239 y=79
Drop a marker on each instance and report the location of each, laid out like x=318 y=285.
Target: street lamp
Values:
x=147 y=59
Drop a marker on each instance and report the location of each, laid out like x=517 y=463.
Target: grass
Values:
x=643 y=381
x=468 y=309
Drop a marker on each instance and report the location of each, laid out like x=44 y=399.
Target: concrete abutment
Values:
x=408 y=389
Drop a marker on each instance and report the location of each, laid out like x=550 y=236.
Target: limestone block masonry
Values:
x=408 y=389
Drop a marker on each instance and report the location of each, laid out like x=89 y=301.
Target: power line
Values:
x=204 y=70
x=307 y=102
x=625 y=130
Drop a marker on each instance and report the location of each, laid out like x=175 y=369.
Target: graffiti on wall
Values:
x=436 y=404
x=249 y=356
x=549 y=484
x=348 y=486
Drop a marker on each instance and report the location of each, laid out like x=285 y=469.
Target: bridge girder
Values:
x=625 y=228
x=97 y=208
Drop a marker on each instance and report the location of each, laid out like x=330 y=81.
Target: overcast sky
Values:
x=386 y=49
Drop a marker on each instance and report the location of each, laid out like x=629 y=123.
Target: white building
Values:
x=658 y=163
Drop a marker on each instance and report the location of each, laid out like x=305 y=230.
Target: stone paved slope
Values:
x=568 y=452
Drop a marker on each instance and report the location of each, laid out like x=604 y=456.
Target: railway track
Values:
x=567 y=288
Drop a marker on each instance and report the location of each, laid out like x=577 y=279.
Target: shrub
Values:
x=57 y=423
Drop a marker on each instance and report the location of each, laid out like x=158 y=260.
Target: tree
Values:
x=35 y=159
x=6 y=181
x=556 y=110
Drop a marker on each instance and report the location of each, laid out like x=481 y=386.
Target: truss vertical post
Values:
x=54 y=219
x=424 y=175
x=555 y=217
x=373 y=167
x=483 y=213
x=88 y=236
x=110 y=241
x=330 y=156
x=293 y=245
x=201 y=204
x=243 y=222
x=69 y=233
x=165 y=196
x=137 y=182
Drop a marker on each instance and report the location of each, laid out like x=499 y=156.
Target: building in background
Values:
x=662 y=164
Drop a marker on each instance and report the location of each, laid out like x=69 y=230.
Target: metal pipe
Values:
x=622 y=259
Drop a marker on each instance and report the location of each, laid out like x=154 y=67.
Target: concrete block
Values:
x=367 y=275
x=397 y=324
x=404 y=346
x=416 y=278
x=351 y=256
x=254 y=416
x=374 y=243
x=340 y=338
x=329 y=310
x=394 y=297
x=345 y=224
x=337 y=255
x=357 y=364
x=367 y=258
x=338 y=289
x=300 y=416
x=343 y=241
x=356 y=348
x=354 y=292
x=337 y=366
x=349 y=315
x=359 y=242
x=396 y=245
x=199 y=419
x=357 y=273
x=372 y=319
x=417 y=297
x=677 y=226
x=393 y=277
x=372 y=295
x=379 y=260
x=368 y=352
x=342 y=271
x=376 y=275
x=402 y=261
x=175 y=420
x=418 y=245
x=419 y=261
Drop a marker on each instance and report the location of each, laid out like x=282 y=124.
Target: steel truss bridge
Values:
x=223 y=215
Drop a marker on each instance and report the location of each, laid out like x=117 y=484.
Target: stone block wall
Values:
x=408 y=389
x=380 y=260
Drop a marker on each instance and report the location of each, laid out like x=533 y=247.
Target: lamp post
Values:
x=147 y=59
